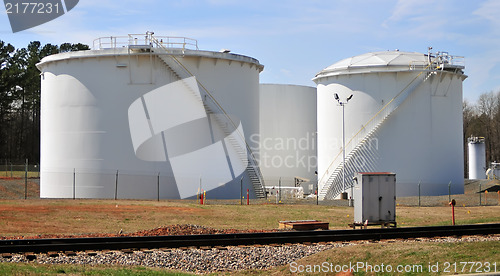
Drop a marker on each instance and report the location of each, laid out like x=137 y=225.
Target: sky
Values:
x=295 y=39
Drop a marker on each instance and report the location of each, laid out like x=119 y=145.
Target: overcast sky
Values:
x=295 y=39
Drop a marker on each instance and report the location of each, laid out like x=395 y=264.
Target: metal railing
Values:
x=181 y=72
x=326 y=181
x=439 y=60
x=172 y=42
x=436 y=61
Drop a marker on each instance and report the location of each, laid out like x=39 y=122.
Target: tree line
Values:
x=20 y=98
x=482 y=119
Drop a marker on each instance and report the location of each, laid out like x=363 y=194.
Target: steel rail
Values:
x=117 y=243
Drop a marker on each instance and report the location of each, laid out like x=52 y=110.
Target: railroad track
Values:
x=119 y=243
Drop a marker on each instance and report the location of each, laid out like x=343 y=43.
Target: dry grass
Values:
x=32 y=217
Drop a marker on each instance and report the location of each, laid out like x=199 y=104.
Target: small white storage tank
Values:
x=152 y=117
x=287 y=139
x=477 y=158
x=374 y=197
x=405 y=116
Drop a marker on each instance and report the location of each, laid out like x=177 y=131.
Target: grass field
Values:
x=19 y=174
x=41 y=269
x=19 y=217
x=32 y=217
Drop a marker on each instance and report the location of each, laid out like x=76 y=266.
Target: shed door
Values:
x=386 y=198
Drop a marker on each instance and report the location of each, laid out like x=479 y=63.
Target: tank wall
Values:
x=428 y=147
x=287 y=146
x=85 y=129
x=235 y=86
x=370 y=93
x=421 y=141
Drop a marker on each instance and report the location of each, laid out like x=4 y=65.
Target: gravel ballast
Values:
x=231 y=258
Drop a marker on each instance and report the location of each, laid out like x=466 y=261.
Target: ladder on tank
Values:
x=363 y=155
x=224 y=121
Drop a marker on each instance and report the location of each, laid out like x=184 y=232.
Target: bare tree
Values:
x=482 y=119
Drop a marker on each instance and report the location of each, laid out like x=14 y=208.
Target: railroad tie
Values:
x=91 y=253
x=69 y=253
x=30 y=256
x=53 y=254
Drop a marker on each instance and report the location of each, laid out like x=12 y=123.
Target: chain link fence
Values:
x=19 y=181
x=15 y=170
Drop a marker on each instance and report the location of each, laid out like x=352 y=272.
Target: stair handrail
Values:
x=254 y=165
x=326 y=174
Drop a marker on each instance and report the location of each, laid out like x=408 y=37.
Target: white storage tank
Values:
x=404 y=116
x=148 y=117
x=287 y=139
x=477 y=158
x=374 y=198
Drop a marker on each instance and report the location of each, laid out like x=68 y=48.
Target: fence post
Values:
x=26 y=179
x=158 y=183
x=317 y=193
x=74 y=182
x=279 y=190
x=201 y=192
x=116 y=185
x=449 y=192
x=480 y=203
x=419 y=193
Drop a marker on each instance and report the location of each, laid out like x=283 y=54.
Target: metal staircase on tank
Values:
x=212 y=107
x=363 y=155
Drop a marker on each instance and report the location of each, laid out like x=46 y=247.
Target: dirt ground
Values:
x=14 y=188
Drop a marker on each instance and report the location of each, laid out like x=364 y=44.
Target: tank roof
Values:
x=125 y=52
x=391 y=61
x=145 y=44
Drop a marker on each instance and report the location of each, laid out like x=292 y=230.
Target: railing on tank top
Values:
x=177 y=42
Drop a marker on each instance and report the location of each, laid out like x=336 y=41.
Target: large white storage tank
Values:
x=287 y=139
x=148 y=117
x=405 y=116
x=477 y=158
